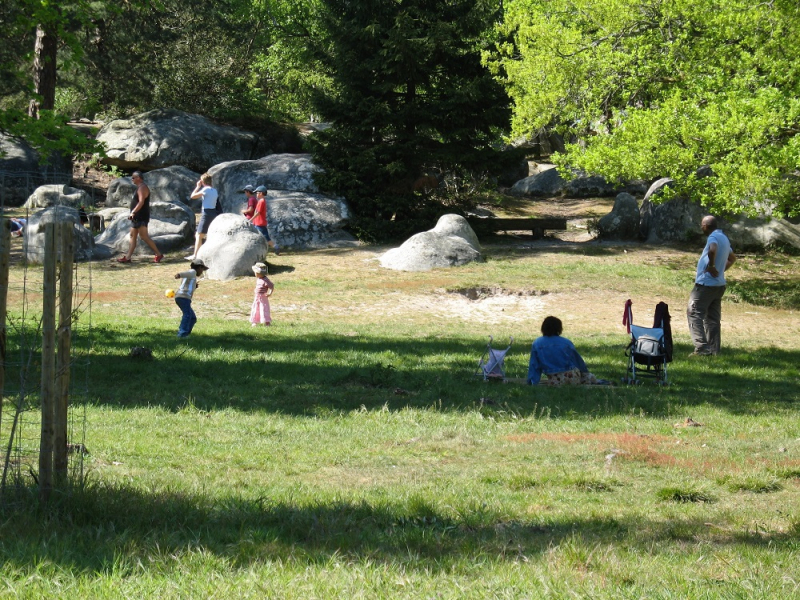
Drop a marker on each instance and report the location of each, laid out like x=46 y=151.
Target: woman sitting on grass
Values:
x=557 y=358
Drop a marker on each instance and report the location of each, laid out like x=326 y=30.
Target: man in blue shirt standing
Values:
x=705 y=302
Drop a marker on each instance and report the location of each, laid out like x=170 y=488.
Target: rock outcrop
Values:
x=451 y=243
x=56 y=194
x=172 y=227
x=286 y=172
x=232 y=247
x=299 y=217
x=622 y=223
x=549 y=182
x=745 y=232
x=22 y=170
x=166 y=137
x=34 y=238
x=171 y=184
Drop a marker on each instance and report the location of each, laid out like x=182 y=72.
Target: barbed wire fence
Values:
x=28 y=329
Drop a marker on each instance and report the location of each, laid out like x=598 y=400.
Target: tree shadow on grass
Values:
x=103 y=527
x=293 y=374
x=776 y=293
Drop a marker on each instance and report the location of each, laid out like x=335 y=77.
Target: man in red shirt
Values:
x=251 y=202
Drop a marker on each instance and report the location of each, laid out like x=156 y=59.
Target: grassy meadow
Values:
x=349 y=450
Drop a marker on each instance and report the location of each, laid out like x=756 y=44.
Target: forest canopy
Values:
x=640 y=89
x=229 y=60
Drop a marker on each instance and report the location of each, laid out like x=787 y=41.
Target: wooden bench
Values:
x=488 y=225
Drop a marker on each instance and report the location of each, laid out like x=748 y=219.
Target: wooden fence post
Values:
x=64 y=339
x=48 y=363
x=5 y=249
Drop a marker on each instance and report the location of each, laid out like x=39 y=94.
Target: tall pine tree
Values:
x=410 y=98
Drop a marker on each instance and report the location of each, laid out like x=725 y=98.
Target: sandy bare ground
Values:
x=518 y=310
x=350 y=288
x=492 y=310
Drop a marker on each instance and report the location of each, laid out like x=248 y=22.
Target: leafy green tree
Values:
x=408 y=97
x=58 y=24
x=235 y=61
x=16 y=36
x=284 y=71
x=659 y=88
x=184 y=54
x=119 y=58
x=34 y=29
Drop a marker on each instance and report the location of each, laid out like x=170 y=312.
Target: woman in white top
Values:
x=209 y=212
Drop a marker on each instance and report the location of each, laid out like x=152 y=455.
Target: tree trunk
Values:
x=44 y=70
x=103 y=60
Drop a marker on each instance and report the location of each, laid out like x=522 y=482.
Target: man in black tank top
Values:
x=140 y=218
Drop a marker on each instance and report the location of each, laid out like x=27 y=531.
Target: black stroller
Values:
x=650 y=348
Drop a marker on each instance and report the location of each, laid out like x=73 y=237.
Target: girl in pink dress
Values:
x=259 y=314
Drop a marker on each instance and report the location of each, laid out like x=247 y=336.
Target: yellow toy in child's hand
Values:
x=170 y=293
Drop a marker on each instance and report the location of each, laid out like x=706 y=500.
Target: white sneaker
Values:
x=190 y=257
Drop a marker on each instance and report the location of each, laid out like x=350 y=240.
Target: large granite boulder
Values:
x=171 y=184
x=172 y=226
x=677 y=220
x=288 y=172
x=451 y=243
x=56 y=194
x=109 y=214
x=165 y=137
x=299 y=217
x=299 y=220
x=22 y=170
x=541 y=144
x=746 y=232
x=546 y=183
x=34 y=238
x=646 y=209
x=622 y=223
x=588 y=186
x=232 y=247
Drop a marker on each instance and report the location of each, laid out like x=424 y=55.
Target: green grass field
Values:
x=349 y=450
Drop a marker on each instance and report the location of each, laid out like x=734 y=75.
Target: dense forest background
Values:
x=641 y=88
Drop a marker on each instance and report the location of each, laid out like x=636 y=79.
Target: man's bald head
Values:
x=708 y=224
